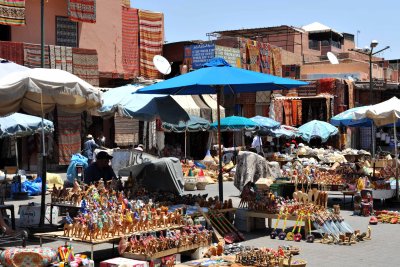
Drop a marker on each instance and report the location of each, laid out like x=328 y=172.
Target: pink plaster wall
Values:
x=30 y=33
x=105 y=35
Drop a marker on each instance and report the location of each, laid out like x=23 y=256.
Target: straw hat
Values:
x=89 y=136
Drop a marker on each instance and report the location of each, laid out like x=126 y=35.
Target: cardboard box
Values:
x=30 y=214
x=127 y=262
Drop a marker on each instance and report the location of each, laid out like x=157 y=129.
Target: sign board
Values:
x=231 y=55
x=197 y=55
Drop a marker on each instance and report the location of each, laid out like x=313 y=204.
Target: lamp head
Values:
x=374 y=43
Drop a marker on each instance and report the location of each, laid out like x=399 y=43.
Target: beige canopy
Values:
x=28 y=89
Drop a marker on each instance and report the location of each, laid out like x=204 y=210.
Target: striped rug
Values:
x=12 y=51
x=69 y=135
x=12 y=12
x=82 y=10
x=32 y=56
x=85 y=65
x=126 y=131
x=61 y=57
x=130 y=42
x=151 y=40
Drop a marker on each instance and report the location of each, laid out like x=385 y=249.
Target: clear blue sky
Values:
x=192 y=19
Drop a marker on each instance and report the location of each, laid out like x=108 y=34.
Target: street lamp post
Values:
x=370 y=52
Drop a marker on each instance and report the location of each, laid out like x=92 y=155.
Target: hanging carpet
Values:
x=82 y=10
x=12 y=12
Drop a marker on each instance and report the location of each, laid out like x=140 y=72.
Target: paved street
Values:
x=380 y=251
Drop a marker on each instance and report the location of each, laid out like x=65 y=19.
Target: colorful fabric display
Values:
x=69 y=136
x=82 y=10
x=33 y=55
x=12 y=51
x=326 y=86
x=85 y=65
x=12 y=12
x=130 y=42
x=61 y=57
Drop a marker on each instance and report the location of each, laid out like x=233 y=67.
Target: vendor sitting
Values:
x=100 y=169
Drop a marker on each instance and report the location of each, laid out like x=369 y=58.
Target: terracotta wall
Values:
x=30 y=33
x=105 y=35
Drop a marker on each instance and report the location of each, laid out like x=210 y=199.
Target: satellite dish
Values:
x=162 y=64
x=332 y=58
x=350 y=78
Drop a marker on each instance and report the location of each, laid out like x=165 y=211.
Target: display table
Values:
x=254 y=214
x=348 y=193
x=383 y=194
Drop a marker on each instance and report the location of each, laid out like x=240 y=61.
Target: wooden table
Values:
x=348 y=193
x=270 y=217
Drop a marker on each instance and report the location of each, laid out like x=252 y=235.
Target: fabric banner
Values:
x=277 y=61
x=66 y=32
x=12 y=12
x=350 y=88
x=82 y=10
x=12 y=51
x=264 y=58
x=69 y=136
x=244 y=53
x=278 y=110
x=231 y=55
x=130 y=42
x=32 y=56
x=151 y=41
x=126 y=131
x=61 y=57
x=85 y=65
x=253 y=56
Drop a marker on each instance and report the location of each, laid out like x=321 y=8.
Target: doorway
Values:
x=5 y=33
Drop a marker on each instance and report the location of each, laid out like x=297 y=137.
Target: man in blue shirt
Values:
x=88 y=148
x=100 y=169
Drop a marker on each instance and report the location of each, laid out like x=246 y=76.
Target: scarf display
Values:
x=60 y=57
x=151 y=41
x=82 y=10
x=12 y=51
x=130 y=42
x=12 y=12
x=85 y=65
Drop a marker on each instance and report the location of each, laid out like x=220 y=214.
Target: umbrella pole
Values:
x=185 y=146
x=396 y=158
x=220 y=185
x=16 y=153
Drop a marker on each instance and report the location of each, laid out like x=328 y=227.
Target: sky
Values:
x=193 y=19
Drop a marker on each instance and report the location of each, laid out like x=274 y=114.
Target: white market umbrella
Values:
x=382 y=114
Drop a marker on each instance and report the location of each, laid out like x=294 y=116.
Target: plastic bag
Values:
x=71 y=171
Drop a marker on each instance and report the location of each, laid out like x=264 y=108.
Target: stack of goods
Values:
x=224 y=227
x=104 y=214
x=328 y=178
x=67 y=257
x=258 y=200
x=385 y=216
x=148 y=245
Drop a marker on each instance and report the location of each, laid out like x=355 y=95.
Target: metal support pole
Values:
x=396 y=156
x=373 y=138
x=220 y=181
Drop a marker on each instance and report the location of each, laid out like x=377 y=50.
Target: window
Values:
x=66 y=32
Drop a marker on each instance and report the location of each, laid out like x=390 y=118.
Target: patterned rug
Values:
x=12 y=12
x=32 y=56
x=151 y=40
x=82 y=10
x=85 y=65
x=69 y=136
x=277 y=61
x=61 y=57
x=130 y=42
x=12 y=51
x=126 y=131
x=66 y=32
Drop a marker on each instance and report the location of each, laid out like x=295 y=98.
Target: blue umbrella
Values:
x=19 y=125
x=284 y=131
x=194 y=124
x=317 y=129
x=346 y=118
x=235 y=123
x=218 y=77
x=127 y=103
x=265 y=123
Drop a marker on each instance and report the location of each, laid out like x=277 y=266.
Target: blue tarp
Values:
x=33 y=188
x=127 y=103
x=75 y=160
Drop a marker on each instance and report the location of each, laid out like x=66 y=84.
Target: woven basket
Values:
x=201 y=185
x=190 y=183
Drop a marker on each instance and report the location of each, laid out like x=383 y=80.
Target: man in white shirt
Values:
x=257 y=143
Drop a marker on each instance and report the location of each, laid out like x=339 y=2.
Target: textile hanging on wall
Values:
x=85 y=65
x=244 y=60
x=263 y=97
x=294 y=112
x=299 y=112
x=126 y=131
x=291 y=71
x=350 y=88
x=32 y=56
x=278 y=110
x=130 y=42
x=287 y=104
x=12 y=12
x=253 y=55
x=61 y=57
x=277 y=61
x=82 y=10
x=263 y=59
x=151 y=41
x=66 y=32
x=126 y=3
x=272 y=110
x=12 y=51
x=69 y=136
x=326 y=86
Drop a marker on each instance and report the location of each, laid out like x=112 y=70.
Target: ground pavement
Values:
x=380 y=251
